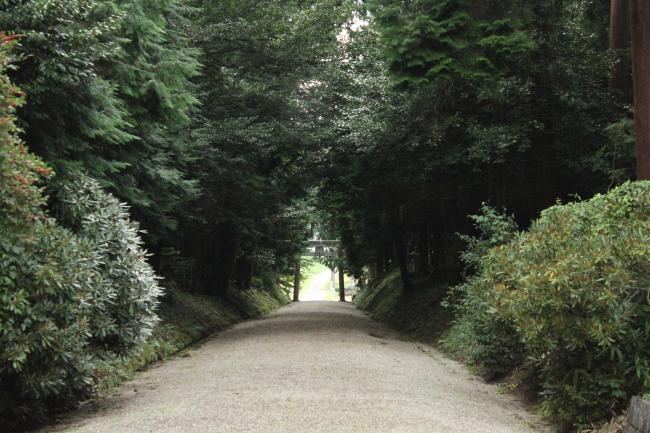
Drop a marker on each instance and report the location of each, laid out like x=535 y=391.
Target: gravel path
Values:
x=310 y=367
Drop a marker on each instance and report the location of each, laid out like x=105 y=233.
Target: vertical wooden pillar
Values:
x=296 y=281
x=400 y=248
x=341 y=276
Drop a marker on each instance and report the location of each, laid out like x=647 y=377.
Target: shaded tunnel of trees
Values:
x=236 y=130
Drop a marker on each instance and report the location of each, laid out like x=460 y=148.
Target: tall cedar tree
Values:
x=640 y=26
x=73 y=116
x=109 y=93
x=497 y=101
x=257 y=57
x=152 y=75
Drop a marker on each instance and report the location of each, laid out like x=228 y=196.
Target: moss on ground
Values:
x=418 y=313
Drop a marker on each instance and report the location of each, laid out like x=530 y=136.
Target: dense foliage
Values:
x=63 y=294
x=46 y=281
x=109 y=92
x=232 y=131
x=153 y=76
x=571 y=296
x=408 y=163
x=257 y=147
x=73 y=117
x=485 y=339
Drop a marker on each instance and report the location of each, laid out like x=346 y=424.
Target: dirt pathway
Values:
x=310 y=367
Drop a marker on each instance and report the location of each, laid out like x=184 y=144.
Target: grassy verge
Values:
x=418 y=313
x=185 y=319
x=421 y=316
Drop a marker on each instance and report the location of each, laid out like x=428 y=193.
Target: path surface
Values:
x=318 y=288
x=311 y=367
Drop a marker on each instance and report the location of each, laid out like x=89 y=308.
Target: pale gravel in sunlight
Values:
x=310 y=367
x=318 y=288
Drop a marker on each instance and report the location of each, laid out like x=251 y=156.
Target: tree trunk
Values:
x=341 y=276
x=400 y=247
x=424 y=262
x=227 y=258
x=619 y=39
x=296 y=281
x=244 y=268
x=640 y=26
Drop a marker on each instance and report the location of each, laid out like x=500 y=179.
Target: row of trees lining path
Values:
x=222 y=135
x=223 y=126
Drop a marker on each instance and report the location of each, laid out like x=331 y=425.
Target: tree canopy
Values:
x=232 y=131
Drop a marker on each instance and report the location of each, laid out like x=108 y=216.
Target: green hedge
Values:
x=571 y=294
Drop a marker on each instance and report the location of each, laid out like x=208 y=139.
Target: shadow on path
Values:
x=310 y=367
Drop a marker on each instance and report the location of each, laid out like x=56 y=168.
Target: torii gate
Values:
x=320 y=248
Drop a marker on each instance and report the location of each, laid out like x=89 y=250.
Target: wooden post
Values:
x=341 y=276
x=296 y=281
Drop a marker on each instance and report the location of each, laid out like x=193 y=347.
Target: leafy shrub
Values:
x=61 y=293
x=479 y=335
x=45 y=283
x=575 y=289
x=617 y=157
x=495 y=228
x=131 y=288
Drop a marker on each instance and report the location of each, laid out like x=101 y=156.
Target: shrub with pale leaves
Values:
x=130 y=286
